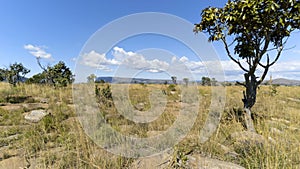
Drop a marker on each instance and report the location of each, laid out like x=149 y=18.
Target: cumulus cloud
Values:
x=97 y=60
x=184 y=59
x=37 y=51
x=290 y=66
x=121 y=57
x=194 y=66
x=138 y=61
x=288 y=69
x=202 y=68
x=120 y=54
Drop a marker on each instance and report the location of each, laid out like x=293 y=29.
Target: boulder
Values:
x=35 y=115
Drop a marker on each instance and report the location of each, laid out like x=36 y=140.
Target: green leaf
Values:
x=244 y=17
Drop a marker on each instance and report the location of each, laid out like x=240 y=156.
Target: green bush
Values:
x=172 y=87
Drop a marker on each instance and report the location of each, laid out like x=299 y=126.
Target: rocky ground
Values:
x=43 y=132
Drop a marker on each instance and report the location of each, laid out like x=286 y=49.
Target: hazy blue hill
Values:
x=132 y=80
x=286 y=82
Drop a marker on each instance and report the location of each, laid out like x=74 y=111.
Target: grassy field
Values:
x=59 y=141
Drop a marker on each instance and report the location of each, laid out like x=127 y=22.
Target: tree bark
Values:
x=249 y=99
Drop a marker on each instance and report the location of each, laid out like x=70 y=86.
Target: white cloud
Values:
x=184 y=59
x=289 y=69
x=122 y=57
x=37 y=51
x=120 y=54
x=181 y=64
x=290 y=66
x=138 y=61
x=208 y=68
x=97 y=60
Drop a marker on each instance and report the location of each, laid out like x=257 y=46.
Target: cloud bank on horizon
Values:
x=138 y=61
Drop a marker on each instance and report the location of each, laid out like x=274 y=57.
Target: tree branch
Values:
x=267 y=66
x=265 y=71
x=265 y=48
x=39 y=63
x=239 y=83
x=229 y=54
x=277 y=57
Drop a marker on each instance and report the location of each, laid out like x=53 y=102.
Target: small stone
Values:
x=44 y=100
x=140 y=106
x=275 y=131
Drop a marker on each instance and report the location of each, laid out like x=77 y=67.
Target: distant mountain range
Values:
x=285 y=82
x=279 y=81
x=132 y=80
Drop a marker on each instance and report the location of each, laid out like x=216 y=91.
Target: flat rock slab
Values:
x=35 y=115
x=195 y=161
x=246 y=138
x=210 y=163
x=159 y=161
x=35 y=106
x=12 y=107
x=13 y=163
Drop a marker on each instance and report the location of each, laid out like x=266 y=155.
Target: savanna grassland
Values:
x=59 y=141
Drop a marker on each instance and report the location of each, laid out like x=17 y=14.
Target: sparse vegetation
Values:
x=58 y=141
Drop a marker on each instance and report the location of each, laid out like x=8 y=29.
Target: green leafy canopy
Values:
x=252 y=23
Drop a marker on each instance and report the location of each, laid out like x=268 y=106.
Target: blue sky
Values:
x=58 y=30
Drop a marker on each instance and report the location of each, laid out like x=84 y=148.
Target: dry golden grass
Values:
x=59 y=141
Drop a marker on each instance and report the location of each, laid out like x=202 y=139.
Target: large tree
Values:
x=58 y=75
x=254 y=33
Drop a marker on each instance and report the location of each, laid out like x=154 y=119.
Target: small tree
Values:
x=174 y=79
x=14 y=73
x=91 y=78
x=206 y=81
x=213 y=82
x=186 y=81
x=2 y=74
x=39 y=78
x=255 y=28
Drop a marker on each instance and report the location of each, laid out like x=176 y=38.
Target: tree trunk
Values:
x=249 y=99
